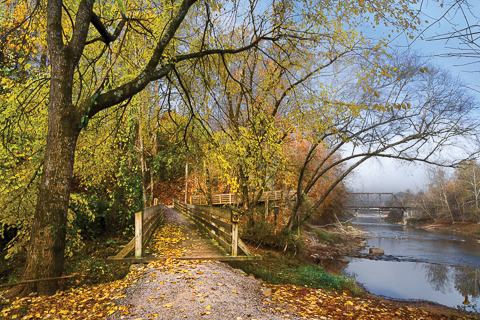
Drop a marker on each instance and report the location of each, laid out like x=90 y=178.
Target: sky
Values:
x=392 y=176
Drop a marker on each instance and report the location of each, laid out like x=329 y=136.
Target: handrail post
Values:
x=138 y=234
x=234 y=220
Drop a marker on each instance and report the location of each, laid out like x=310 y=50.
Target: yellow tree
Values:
x=86 y=40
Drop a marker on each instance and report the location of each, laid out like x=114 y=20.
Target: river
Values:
x=419 y=265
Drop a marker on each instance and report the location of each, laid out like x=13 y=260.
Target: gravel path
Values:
x=175 y=289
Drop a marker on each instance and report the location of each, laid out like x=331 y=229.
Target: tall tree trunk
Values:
x=141 y=158
x=46 y=249
x=45 y=255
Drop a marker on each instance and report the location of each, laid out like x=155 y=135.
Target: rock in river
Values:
x=376 y=251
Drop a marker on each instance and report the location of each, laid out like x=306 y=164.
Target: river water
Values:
x=419 y=265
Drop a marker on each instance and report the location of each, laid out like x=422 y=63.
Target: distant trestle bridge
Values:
x=378 y=202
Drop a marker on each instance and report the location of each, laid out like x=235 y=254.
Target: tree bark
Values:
x=46 y=249
x=45 y=256
x=141 y=158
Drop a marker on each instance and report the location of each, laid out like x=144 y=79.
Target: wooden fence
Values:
x=232 y=198
x=145 y=222
x=219 y=223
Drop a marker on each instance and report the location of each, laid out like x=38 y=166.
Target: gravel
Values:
x=196 y=290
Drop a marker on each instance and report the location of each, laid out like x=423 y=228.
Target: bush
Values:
x=316 y=277
x=263 y=233
x=322 y=235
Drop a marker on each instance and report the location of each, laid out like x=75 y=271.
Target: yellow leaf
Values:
x=207 y=307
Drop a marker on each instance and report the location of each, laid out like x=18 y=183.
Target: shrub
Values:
x=322 y=235
x=263 y=233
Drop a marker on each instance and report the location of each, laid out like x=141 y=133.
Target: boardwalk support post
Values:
x=234 y=234
x=138 y=234
x=267 y=203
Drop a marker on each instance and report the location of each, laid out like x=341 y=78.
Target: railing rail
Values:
x=218 y=222
x=232 y=198
x=145 y=222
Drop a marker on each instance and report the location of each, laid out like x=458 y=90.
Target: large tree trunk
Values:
x=45 y=256
x=46 y=250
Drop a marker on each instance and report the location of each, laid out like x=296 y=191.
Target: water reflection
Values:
x=438 y=275
x=467 y=282
x=437 y=267
x=457 y=287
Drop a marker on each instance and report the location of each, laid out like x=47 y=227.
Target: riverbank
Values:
x=466 y=229
x=325 y=246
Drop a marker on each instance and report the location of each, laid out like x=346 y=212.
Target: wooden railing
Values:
x=145 y=222
x=218 y=222
x=232 y=198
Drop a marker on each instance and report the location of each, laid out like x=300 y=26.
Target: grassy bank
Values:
x=280 y=268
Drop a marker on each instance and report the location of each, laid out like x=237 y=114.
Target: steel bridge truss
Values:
x=376 y=202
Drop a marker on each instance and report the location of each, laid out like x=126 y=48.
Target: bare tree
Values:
x=464 y=21
x=416 y=114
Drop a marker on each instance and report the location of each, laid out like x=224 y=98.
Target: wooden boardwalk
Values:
x=179 y=238
x=232 y=198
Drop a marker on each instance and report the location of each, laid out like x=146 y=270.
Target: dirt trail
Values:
x=196 y=290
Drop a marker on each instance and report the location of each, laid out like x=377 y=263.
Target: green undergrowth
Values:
x=280 y=268
x=324 y=236
x=90 y=261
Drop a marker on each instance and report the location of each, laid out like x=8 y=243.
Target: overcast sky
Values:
x=392 y=176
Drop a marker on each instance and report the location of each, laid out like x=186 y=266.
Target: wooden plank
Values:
x=126 y=250
x=152 y=219
x=224 y=244
x=131 y=259
x=244 y=248
x=226 y=226
x=215 y=211
x=226 y=236
x=199 y=214
x=148 y=211
x=149 y=231
x=209 y=219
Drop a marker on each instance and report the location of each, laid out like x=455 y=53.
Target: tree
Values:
x=298 y=150
x=416 y=113
x=465 y=25
x=440 y=188
x=86 y=39
x=468 y=176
